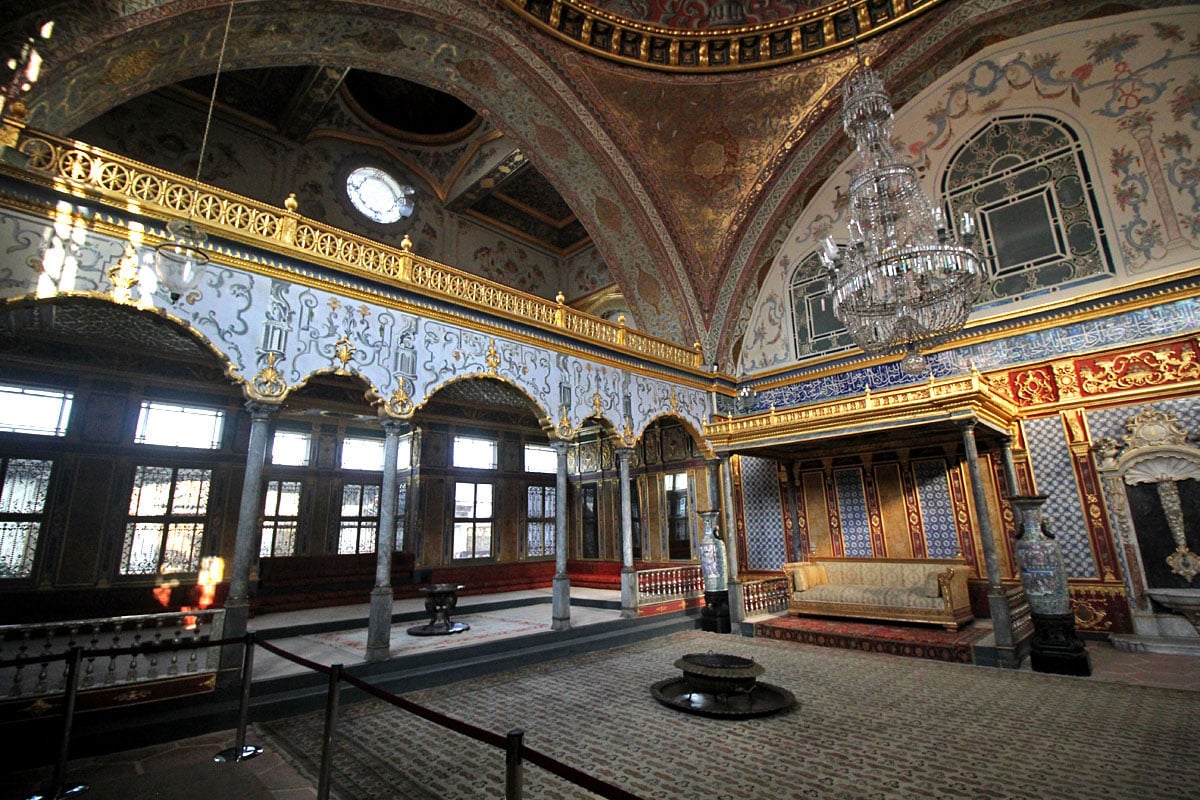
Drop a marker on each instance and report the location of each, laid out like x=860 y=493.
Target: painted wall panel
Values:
x=892 y=511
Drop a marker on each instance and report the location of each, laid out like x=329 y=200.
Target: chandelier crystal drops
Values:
x=903 y=282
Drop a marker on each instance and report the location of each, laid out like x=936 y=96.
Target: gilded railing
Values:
x=127 y=184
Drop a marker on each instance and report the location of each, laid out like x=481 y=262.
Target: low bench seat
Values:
x=902 y=590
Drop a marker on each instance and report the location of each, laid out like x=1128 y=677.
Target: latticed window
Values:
x=281 y=519
x=1026 y=182
x=815 y=329
x=165 y=529
x=539 y=521
x=401 y=514
x=359 y=523
x=25 y=483
x=472 y=520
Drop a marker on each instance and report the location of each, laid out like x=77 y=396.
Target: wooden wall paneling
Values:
x=817 y=514
x=95 y=498
x=890 y=496
x=438 y=508
x=874 y=515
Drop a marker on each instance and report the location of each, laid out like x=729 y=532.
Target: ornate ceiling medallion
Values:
x=725 y=42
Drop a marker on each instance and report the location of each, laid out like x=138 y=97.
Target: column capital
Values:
x=623 y=453
x=393 y=426
x=260 y=411
x=560 y=446
x=968 y=425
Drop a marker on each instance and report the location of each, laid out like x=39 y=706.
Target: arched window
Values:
x=379 y=196
x=815 y=329
x=1025 y=180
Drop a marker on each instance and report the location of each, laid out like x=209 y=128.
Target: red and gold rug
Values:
x=898 y=639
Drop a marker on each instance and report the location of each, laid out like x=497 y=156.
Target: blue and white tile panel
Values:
x=1063 y=511
x=937 y=510
x=764 y=514
x=852 y=507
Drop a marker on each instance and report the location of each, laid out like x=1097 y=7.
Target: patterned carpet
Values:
x=914 y=641
x=866 y=725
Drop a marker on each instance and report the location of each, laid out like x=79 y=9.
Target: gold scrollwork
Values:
x=492 y=359
x=268 y=384
x=123 y=275
x=1067 y=379
x=399 y=405
x=564 y=429
x=1144 y=368
x=628 y=439
x=1088 y=616
x=344 y=353
x=1034 y=387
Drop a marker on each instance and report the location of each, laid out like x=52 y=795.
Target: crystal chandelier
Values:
x=903 y=282
x=179 y=262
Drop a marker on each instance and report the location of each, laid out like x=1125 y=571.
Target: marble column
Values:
x=629 y=599
x=249 y=534
x=737 y=604
x=561 y=603
x=379 y=620
x=414 y=528
x=998 y=604
x=1011 y=484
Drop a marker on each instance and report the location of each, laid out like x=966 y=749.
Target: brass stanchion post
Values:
x=240 y=751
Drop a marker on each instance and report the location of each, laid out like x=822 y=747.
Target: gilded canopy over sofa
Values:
x=904 y=590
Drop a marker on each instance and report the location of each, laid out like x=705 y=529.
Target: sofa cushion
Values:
x=932 y=588
x=814 y=575
x=798 y=582
x=890 y=596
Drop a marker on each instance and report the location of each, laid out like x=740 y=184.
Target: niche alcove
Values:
x=1152 y=485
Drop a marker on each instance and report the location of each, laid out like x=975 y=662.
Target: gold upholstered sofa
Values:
x=931 y=590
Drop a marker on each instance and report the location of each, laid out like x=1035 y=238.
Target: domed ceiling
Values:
x=519 y=200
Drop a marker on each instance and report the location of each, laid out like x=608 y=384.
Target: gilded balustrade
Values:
x=127 y=184
x=950 y=398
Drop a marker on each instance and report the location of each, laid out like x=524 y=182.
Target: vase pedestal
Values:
x=1055 y=647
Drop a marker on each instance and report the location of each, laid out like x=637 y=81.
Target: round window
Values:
x=378 y=196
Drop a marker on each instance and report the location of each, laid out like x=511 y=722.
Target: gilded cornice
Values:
x=358 y=267
x=1127 y=376
x=722 y=49
x=956 y=399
